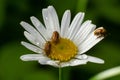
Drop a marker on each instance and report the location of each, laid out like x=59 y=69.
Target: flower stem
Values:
x=60 y=73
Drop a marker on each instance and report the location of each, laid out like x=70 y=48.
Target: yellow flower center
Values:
x=63 y=50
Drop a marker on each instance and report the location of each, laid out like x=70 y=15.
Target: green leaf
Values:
x=107 y=74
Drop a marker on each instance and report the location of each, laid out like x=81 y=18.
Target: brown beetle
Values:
x=100 y=32
x=55 y=37
x=47 y=48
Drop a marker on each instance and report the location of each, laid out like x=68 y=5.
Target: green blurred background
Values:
x=104 y=13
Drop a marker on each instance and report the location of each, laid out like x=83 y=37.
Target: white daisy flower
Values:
x=61 y=45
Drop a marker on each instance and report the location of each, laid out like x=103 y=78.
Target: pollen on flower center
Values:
x=63 y=50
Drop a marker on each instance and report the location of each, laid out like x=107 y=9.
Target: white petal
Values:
x=54 y=16
x=95 y=60
x=89 y=43
x=31 y=57
x=84 y=32
x=32 y=47
x=43 y=60
x=76 y=62
x=29 y=37
x=75 y=25
x=65 y=22
x=84 y=26
x=64 y=64
x=28 y=28
x=32 y=31
x=51 y=20
x=47 y=21
x=47 y=61
x=39 y=26
x=53 y=63
x=89 y=58
x=82 y=57
x=32 y=39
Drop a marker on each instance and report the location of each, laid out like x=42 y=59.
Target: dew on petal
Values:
x=46 y=18
x=37 y=43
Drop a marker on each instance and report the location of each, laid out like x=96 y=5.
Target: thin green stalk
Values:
x=60 y=73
